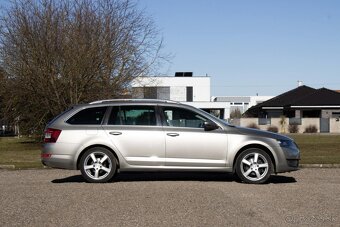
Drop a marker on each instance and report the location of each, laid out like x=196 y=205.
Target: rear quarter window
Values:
x=89 y=116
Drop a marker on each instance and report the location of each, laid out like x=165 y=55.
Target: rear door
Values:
x=136 y=131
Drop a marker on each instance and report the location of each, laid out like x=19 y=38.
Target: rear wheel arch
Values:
x=258 y=146
x=93 y=146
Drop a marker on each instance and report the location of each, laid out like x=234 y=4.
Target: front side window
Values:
x=178 y=117
x=133 y=115
x=89 y=116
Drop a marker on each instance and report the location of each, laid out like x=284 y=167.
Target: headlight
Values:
x=287 y=143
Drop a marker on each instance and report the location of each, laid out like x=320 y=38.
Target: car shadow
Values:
x=176 y=176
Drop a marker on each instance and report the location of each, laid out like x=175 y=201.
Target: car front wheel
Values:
x=254 y=166
x=98 y=165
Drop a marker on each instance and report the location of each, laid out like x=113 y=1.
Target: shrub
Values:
x=235 y=114
x=272 y=129
x=253 y=125
x=283 y=123
x=294 y=128
x=311 y=129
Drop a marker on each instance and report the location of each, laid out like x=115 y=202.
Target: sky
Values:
x=251 y=47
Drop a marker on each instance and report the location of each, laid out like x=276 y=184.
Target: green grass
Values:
x=315 y=149
x=318 y=148
x=21 y=152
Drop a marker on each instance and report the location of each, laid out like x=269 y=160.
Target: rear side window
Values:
x=133 y=115
x=89 y=116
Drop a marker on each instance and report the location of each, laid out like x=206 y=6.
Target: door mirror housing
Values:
x=209 y=126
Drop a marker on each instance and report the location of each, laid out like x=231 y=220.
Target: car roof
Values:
x=146 y=101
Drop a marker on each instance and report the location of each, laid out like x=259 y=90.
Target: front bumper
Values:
x=288 y=160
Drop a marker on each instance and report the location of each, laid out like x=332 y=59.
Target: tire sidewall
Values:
x=110 y=156
x=238 y=166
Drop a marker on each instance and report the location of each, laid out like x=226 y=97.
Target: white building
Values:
x=183 y=87
x=243 y=103
x=194 y=91
x=178 y=88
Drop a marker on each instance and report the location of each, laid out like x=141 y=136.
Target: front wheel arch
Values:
x=258 y=146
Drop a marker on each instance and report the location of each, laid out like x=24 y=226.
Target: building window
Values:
x=295 y=121
x=335 y=114
x=150 y=92
x=190 y=94
x=264 y=121
x=311 y=113
x=163 y=93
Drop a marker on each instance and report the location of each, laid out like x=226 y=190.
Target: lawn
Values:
x=318 y=148
x=21 y=152
x=315 y=149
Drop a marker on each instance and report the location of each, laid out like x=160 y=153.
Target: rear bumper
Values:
x=56 y=155
x=58 y=161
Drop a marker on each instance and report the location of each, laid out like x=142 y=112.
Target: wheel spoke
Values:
x=247 y=172
x=96 y=173
x=104 y=158
x=93 y=157
x=246 y=162
x=256 y=156
x=106 y=169
x=258 y=175
x=263 y=165
x=88 y=167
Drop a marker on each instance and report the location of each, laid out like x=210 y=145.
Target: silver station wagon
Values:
x=105 y=137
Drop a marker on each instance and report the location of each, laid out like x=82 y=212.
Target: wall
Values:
x=243 y=103
x=334 y=124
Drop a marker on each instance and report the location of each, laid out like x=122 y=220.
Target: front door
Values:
x=188 y=144
x=324 y=125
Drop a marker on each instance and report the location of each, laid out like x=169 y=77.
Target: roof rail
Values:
x=133 y=100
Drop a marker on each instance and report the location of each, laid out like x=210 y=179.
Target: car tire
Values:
x=254 y=166
x=98 y=165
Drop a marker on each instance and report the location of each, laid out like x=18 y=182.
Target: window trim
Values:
x=84 y=108
x=158 y=121
x=164 y=124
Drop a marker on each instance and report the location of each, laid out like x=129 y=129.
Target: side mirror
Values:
x=209 y=126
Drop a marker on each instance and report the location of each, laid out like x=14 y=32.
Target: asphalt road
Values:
x=309 y=197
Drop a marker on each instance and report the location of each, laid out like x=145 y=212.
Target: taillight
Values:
x=51 y=135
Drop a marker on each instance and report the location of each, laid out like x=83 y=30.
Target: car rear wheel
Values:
x=254 y=166
x=98 y=165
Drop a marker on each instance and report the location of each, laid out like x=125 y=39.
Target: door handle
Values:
x=173 y=134
x=115 y=133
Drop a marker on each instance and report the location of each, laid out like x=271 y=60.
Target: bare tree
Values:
x=57 y=53
x=236 y=113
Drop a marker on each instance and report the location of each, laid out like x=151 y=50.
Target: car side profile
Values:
x=105 y=137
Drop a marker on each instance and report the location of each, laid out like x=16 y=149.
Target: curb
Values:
x=7 y=166
x=319 y=165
